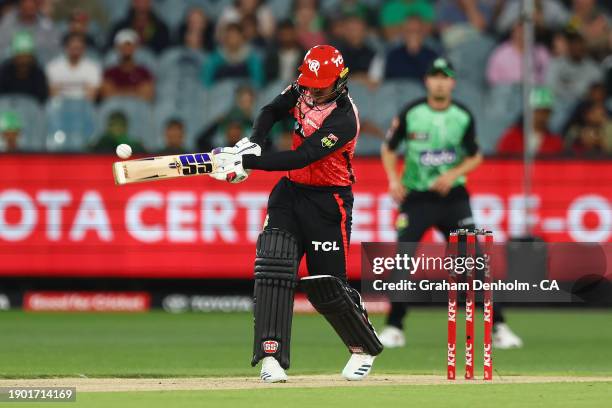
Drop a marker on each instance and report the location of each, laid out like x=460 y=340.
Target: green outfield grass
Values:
x=160 y=344
x=572 y=343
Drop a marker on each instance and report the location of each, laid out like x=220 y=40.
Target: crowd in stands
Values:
x=175 y=75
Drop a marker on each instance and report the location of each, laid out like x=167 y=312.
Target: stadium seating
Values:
x=470 y=59
x=362 y=96
x=179 y=63
x=472 y=96
x=71 y=124
x=220 y=98
x=268 y=93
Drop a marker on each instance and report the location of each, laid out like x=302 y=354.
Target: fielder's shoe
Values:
x=392 y=337
x=271 y=371
x=504 y=338
x=358 y=367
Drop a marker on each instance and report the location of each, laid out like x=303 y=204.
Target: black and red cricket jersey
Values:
x=324 y=139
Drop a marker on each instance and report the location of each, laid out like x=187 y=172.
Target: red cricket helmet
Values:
x=322 y=66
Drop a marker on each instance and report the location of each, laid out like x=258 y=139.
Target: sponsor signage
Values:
x=86 y=301
x=62 y=215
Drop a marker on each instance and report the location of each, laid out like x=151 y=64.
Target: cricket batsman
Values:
x=309 y=213
x=440 y=150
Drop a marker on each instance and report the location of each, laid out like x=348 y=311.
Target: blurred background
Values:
x=78 y=77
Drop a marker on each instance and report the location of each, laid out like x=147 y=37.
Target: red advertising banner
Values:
x=62 y=215
x=86 y=302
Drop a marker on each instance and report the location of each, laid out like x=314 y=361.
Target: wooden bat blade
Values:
x=162 y=167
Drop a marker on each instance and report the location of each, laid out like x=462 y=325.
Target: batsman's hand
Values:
x=228 y=161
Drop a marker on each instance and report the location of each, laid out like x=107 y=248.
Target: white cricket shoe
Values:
x=271 y=371
x=504 y=338
x=358 y=366
x=392 y=337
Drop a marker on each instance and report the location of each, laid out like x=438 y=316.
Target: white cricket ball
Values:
x=124 y=151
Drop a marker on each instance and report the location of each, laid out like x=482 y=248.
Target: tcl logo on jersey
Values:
x=326 y=246
x=270 y=346
x=437 y=157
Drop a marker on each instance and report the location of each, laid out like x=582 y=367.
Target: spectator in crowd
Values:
x=27 y=17
x=251 y=32
x=152 y=31
x=174 y=137
x=597 y=95
x=260 y=12
x=197 y=31
x=473 y=13
x=591 y=22
x=10 y=128
x=78 y=23
x=459 y=21
x=73 y=75
x=241 y=114
x=548 y=15
x=115 y=134
x=233 y=59
x=357 y=54
x=308 y=23
x=542 y=140
x=505 y=64
x=394 y=13
x=570 y=76
x=73 y=11
x=21 y=74
x=592 y=133
x=409 y=60
x=356 y=8
x=128 y=78
x=284 y=54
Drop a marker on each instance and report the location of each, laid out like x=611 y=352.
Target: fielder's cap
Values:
x=441 y=65
x=9 y=121
x=126 y=35
x=541 y=97
x=23 y=43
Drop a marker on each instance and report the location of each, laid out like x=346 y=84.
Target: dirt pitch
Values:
x=242 y=383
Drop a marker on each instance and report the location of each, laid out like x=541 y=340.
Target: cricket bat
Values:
x=162 y=167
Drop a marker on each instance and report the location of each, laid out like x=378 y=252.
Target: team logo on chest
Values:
x=329 y=141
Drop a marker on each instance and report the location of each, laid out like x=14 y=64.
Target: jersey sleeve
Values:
x=469 y=142
x=338 y=129
x=397 y=131
x=279 y=108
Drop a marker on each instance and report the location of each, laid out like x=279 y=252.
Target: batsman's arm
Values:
x=338 y=128
x=276 y=110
